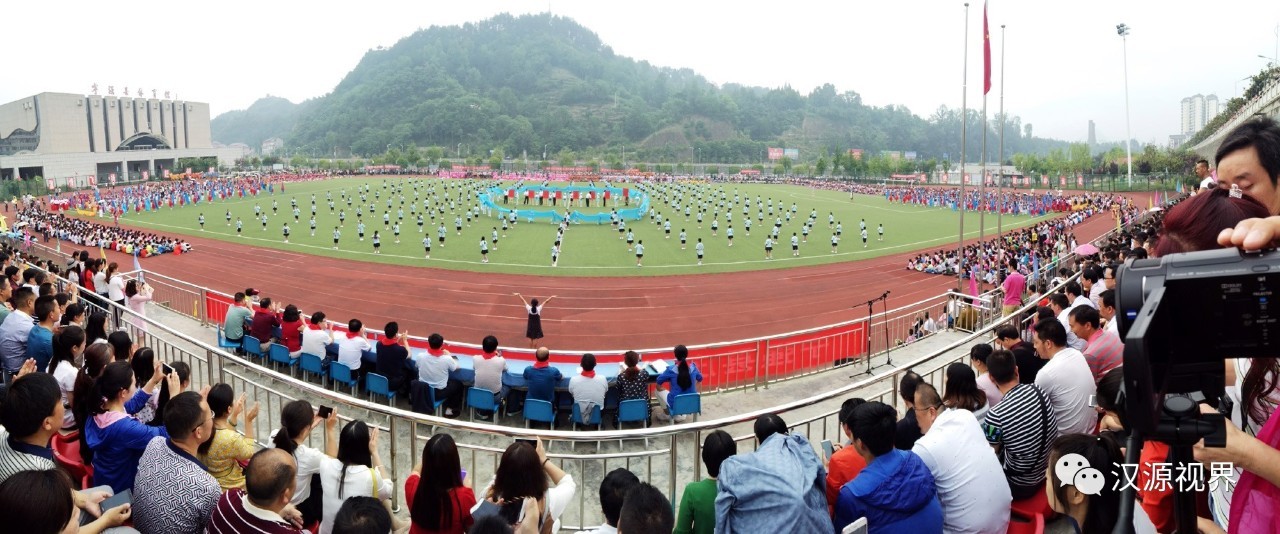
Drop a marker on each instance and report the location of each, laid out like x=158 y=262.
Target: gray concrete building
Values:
x=70 y=136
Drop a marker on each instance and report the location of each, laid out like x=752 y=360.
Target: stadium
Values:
x=292 y=348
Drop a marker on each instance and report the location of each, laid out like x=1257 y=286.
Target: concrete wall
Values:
x=64 y=124
x=97 y=126
x=198 y=130
x=17 y=115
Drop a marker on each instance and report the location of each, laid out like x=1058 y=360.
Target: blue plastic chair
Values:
x=686 y=404
x=540 y=411
x=314 y=365
x=377 y=384
x=482 y=399
x=224 y=344
x=576 y=416
x=279 y=354
x=252 y=347
x=633 y=411
x=341 y=374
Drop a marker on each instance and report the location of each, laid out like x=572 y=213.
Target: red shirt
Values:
x=463 y=499
x=291 y=335
x=844 y=466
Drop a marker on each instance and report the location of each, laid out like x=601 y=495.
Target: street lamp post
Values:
x=1123 y=31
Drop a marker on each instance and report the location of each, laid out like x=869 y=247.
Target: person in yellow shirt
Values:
x=224 y=451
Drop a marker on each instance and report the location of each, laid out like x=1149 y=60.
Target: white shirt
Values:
x=314 y=341
x=65 y=374
x=115 y=287
x=1208 y=183
x=1068 y=383
x=1072 y=341
x=1084 y=301
x=489 y=372
x=971 y=484
x=434 y=370
x=930 y=325
x=100 y=282
x=359 y=482
x=588 y=390
x=557 y=498
x=350 y=350
x=309 y=460
x=1113 y=326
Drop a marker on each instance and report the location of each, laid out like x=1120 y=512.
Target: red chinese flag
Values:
x=986 y=53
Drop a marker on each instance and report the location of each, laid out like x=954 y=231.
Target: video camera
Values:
x=1181 y=315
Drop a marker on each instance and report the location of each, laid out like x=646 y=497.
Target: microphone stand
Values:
x=888 y=348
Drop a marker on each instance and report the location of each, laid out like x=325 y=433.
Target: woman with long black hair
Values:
x=297 y=419
x=682 y=377
x=356 y=472
x=533 y=330
x=438 y=491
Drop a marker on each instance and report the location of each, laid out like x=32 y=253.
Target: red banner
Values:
x=112 y=178
x=93 y=180
x=52 y=183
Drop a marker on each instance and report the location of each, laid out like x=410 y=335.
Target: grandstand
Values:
x=779 y=376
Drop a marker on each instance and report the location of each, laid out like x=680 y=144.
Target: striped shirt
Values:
x=235 y=514
x=1104 y=352
x=1022 y=425
x=16 y=456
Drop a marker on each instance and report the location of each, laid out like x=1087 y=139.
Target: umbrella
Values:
x=1086 y=249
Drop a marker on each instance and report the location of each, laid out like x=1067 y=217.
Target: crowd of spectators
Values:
x=83 y=232
x=955 y=460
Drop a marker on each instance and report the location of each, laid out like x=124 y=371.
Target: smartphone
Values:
x=464 y=474
x=530 y=442
x=856 y=527
x=124 y=497
x=166 y=368
x=324 y=412
x=827 y=448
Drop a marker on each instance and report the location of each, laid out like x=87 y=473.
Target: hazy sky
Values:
x=1064 y=59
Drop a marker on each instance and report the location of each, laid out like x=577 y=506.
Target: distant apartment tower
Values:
x=1197 y=111
x=1093 y=134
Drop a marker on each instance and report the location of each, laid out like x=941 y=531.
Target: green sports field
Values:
x=588 y=249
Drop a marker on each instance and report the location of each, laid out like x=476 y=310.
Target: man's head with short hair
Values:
x=31 y=276
x=355 y=326
x=768 y=425
x=1084 y=321
x=646 y=511
x=265 y=304
x=907 y=386
x=391 y=330
x=239 y=297
x=1249 y=156
x=435 y=341
x=928 y=404
x=1073 y=290
x=1107 y=304
x=716 y=448
x=1059 y=302
x=542 y=354
x=613 y=489
x=489 y=344
x=874 y=427
x=270 y=478
x=33 y=404
x=362 y=515
x=24 y=299
x=1049 y=338
x=317 y=318
x=1007 y=336
x=588 y=362
x=46 y=309
x=187 y=418
x=1202 y=168
x=1002 y=367
x=846 y=412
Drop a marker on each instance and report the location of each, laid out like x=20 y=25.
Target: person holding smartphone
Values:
x=297 y=420
x=527 y=472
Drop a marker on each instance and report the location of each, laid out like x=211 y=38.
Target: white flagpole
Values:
x=964 y=134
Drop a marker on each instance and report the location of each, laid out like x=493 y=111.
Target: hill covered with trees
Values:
x=541 y=84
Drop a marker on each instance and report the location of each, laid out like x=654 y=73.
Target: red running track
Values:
x=587 y=314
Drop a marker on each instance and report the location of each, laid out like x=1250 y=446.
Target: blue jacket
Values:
x=895 y=492
x=778 y=488
x=40 y=346
x=542 y=382
x=670 y=374
x=118 y=447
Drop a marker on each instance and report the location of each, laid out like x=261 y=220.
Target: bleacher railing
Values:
x=666 y=456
